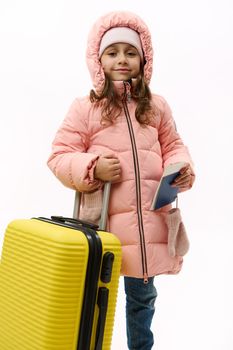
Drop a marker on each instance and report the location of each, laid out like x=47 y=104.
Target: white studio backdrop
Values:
x=43 y=68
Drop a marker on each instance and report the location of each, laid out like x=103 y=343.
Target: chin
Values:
x=122 y=77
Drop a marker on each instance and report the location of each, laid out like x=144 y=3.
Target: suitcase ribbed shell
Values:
x=42 y=280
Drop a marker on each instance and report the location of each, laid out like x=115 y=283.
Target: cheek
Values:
x=105 y=67
x=136 y=64
x=136 y=69
x=103 y=63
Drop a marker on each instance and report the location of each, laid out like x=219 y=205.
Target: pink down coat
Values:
x=81 y=139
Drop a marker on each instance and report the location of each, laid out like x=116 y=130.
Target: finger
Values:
x=182 y=177
x=92 y=187
x=182 y=188
x=116 y=178
x=115 y=172
x=115 y=163
x=185 y=169
x=182 y=182
x=109 y=156
x=116 y=167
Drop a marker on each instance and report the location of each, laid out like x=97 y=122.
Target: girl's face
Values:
x=121 y=61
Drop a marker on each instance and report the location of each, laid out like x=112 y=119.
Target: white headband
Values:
x=121 y=35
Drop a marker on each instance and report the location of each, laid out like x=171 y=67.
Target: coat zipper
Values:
x=138 y=185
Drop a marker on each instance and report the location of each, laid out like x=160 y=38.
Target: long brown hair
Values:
x=111 y=104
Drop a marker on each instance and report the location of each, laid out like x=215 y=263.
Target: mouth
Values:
x=122 y=70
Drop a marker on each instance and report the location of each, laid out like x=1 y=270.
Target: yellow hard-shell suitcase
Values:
x=58 y=285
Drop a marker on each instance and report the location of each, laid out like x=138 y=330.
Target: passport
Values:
x=166 y=194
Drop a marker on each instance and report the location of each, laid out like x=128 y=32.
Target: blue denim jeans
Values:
x=140 y=300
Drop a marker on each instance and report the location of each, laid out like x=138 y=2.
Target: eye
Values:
x=111 y=53
x=131 y=53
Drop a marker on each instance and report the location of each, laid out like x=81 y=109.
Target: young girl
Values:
x=125 y=134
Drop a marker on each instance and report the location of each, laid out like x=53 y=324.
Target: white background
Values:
x=43 y=68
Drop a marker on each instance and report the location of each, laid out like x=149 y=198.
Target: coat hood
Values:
x=102 y=25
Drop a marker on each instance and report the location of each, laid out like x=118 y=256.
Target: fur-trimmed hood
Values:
x=102 y=25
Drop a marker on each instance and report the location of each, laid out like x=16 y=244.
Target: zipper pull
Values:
x=145 y=278
x=127 y=91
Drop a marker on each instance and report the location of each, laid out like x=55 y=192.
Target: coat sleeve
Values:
x=172 y=147
x=69 y=160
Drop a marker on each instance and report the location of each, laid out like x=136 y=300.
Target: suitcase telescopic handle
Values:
x=105 y=203
x=74 y=222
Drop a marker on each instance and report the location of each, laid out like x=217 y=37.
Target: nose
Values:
x=122 y=57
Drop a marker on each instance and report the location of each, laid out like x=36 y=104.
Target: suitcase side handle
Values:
x=104 y=211
x=102 y=302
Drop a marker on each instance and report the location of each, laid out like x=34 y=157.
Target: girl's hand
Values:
x=108 y=168
x=184 y=179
